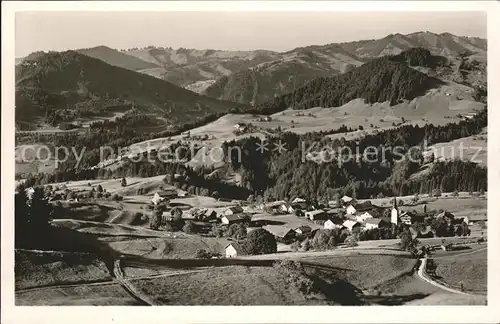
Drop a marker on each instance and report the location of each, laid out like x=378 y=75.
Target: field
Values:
x=472 y=148
x=35 y=269
x=173 y=246
x=469 y=270
x=366 y=271
x=89 y=295
x=232 y=285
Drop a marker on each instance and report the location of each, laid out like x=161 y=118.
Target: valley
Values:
x=212 y=177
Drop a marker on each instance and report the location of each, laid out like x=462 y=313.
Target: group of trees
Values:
x=32 y=216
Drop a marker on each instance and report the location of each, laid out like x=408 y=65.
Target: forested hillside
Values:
x=64 y=86
x=277 y=175
x=382 y=79
x=117 y=58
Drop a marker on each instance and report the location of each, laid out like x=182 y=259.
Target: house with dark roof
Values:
x=233 y=210
x=233 y=219
x=318 y=214
x=281 y=233
x=372 y=223
x=302 y=230
x=333 y=223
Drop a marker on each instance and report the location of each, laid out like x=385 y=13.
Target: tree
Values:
x=124 y=182
x=178 y=223
x=99 y=188
x=217 y=231
x=155 y=219
x=260 y=241
x=306 y=244
x=407 y=243
x=465 y=229
x=189 y=227
x=351 y=241
x=325 y=239
x=237 y=231
x=415 y=198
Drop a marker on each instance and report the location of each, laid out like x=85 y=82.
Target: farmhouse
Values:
x=298 y=200
x=233 y=210
x=333 y=223
x=304 y=229
x=372 y=223
x=363 y=217
x=360 y=207
x=347 y=200
x=278 y=207
x=281 y=233
x=405 y=218
x=240 y=127
x=232 y=219
x=160 y=196
x=350 y=224
x=318 y=214
x=449 y=217
x=233 y=250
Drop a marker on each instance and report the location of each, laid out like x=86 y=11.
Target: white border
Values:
x=251 y=314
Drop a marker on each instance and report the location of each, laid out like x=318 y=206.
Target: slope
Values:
x=294 y=68
x=116 y=58
x=267 y=80
x=380 y=80
x=63 y=86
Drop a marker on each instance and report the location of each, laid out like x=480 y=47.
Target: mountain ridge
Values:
x=64 y=86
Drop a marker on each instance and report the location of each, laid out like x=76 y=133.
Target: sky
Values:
x=279 y=31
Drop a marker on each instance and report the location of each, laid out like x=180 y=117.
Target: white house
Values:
x=350 y=224
x=372 y=223
x=161 y=195
x=233 y=250
x=363 y=217
x=156 y=199
x=232 y=219
x=332 y=224
x=346 y=199
x=351 y=210
x=240 y=127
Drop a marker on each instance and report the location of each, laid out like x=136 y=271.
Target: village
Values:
x=294 y=224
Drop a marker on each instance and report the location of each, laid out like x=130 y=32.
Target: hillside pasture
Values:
x=109 y=294
x=232 y=285
x=468 y=269
x=36 y=269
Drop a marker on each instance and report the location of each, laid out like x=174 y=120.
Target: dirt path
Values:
x=144 y=300
x=69 y=285
x=423 y=276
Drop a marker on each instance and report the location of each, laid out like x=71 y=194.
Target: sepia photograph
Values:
x=248 y=158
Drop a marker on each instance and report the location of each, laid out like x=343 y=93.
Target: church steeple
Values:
x=395 y=212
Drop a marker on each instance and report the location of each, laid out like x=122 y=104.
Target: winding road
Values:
x=423 y=275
